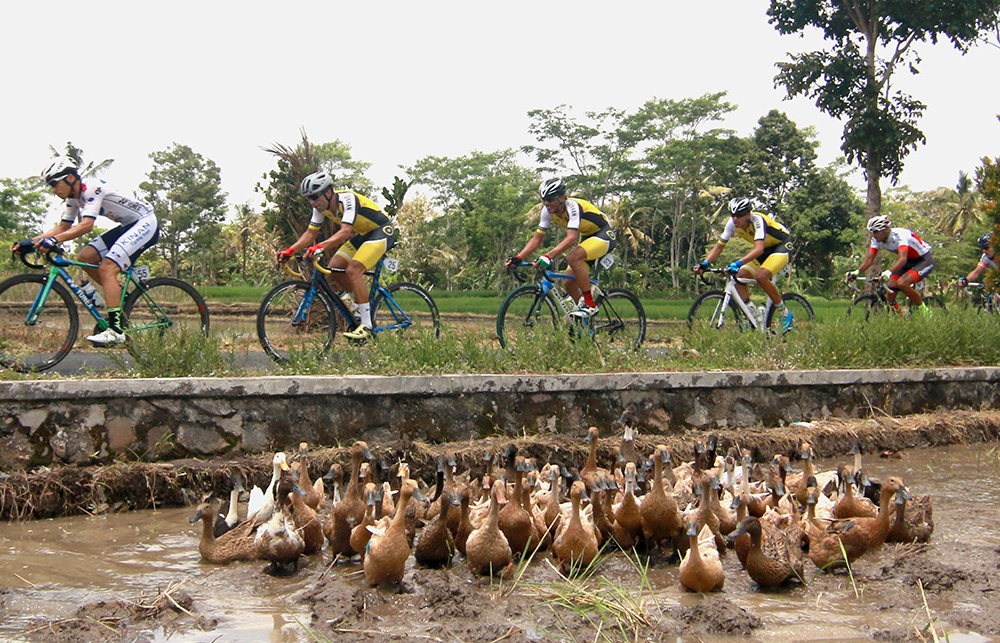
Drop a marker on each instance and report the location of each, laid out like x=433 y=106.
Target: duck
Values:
x=260 y=506
x=388 y=548
x=435 y=544
x=350 y=511
x=465 y=523
x=658 y=513
x=278 y=541
x=231 y=518
x=487 y=550
x=360 y=534
x=850 y=505
x=627 y=526
x=598 y=510
x=576 y=545
x=315 y=491
x=701 y=568
x=516 y=523
x=727 y=517
x=334 y=479
x=235 y=545
x=307 y=521
x=589 y=470
x=913 y=519
x=740 y=542
x=771 y=560
x=855 y=536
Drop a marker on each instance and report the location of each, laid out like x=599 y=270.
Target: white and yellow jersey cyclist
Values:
x=365 y=234
x=589 y=237
x=768 y=256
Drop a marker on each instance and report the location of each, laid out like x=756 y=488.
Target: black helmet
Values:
x=984 y=240
x=551 y=188
x=740 y=206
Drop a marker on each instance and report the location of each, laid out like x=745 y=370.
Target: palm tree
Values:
x=956 y=209
x=76 y=153
x=628 y=236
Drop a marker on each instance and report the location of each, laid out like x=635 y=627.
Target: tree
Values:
x=780 y=159
x=183 y=188
x=988 y=184
x=22 y=205
x=870 y=40
x=955 y=209
x=76 y=153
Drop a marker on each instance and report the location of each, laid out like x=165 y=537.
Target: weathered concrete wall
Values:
x=85 y=422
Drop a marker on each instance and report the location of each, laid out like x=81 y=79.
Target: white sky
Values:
x=400 y=80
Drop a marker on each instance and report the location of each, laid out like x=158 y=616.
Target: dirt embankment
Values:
x=64 y=491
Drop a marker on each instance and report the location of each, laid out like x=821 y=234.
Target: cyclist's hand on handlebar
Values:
x=851 y=275
x=544 y=262
x=314 y=252
x=963 y=282
x=886 y=275
x=285 y=255
x=734 y=267
x=700 y=268
x=512 y=262
x=47 y=243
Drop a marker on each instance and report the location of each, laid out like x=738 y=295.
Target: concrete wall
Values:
x=86 y=422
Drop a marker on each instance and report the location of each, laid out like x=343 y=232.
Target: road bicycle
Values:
x=305 y=315
x=539 y=308
x=876 y=302
x=983 y=300
x=40 y=320
x=726 y=309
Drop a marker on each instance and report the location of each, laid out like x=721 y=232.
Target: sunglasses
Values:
x=314 y=197
x=54 y=182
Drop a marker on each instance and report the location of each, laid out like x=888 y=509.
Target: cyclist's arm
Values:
x=533 y=244
x=869 y=260
x=307 y=239
x=976 y=272
x=567 y=243
x=758 y=250
x=65 y=230
x=338 y=238
x=714 y=253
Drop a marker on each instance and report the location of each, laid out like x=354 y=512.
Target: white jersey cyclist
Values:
x=902 y=238
x=986 y=262
x=122 y=245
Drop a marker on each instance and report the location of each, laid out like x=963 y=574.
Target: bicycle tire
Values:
x=280 y=337
x=42 y=345
x=525 y=314
x=162 y=306
x=620 y=320
x=802 y=315
x=706 y=312
x=414 y=310
x=866 y=306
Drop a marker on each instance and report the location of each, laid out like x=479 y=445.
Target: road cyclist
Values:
x=987 y=263
x=913 y=263
x=769 y=255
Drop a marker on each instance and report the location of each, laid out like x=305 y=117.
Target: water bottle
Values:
x=566 y=303
x=92 y=294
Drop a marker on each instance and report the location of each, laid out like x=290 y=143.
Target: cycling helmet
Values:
x=740 y=206
x=315 y=183
x=58 y=168
x=878 y=222
x=551 y=188
x=984 y=240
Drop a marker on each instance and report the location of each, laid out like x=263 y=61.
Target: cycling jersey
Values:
x=579 y=215
x=98 y=197
x=355 y=210
x=761 y=228
x=986 y=262
x=902 y=238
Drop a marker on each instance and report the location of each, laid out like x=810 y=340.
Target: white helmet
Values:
x=740 y=206
x=552 y=188
x=59 y=167
x=315 y=183
x=878 y=222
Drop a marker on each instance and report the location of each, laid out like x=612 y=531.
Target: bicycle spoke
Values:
x=49 y=339
x=408 y=307
x=525 y=316
x=287 y=326
x=620 y=320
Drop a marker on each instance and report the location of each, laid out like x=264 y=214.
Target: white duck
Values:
x=261 y=503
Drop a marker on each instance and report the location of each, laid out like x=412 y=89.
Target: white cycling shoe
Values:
x=583 y=311
x=107 y=337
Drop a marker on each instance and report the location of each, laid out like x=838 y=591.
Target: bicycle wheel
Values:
x=286 y=326
x=39 y=346
x=865 y=306
x=620 y=320
x=802 y=316
x=707 y=312
x=409 y=307
x=526 y=313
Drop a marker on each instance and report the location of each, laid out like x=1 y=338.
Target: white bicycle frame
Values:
x=732 y=295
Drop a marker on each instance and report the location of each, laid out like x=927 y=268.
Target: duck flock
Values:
x=776 y=520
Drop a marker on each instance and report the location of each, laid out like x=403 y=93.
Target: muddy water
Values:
x=54 y=566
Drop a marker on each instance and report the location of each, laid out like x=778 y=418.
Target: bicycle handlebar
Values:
x=722 y=271
x=26 y=247
x=524 y=264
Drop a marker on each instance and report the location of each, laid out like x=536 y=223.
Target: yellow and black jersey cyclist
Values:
x=588 y=238
x=364 y=235
x=769 y=254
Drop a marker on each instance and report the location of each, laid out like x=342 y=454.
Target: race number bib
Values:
x=392 y=265
x=140 y=272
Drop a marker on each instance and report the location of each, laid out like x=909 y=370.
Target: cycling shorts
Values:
x=368 y=248
x=124 y=244
x=773 y=259
x=599 y=244
x=919 y=267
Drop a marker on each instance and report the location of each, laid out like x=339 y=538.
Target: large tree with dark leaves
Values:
x=869 y=40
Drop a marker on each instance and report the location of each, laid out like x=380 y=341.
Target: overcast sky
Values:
x=400 y=80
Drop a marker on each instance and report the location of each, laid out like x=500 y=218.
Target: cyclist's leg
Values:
x=590 y=249
x=370 y=248
x=770 y=265
x=126 y=245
